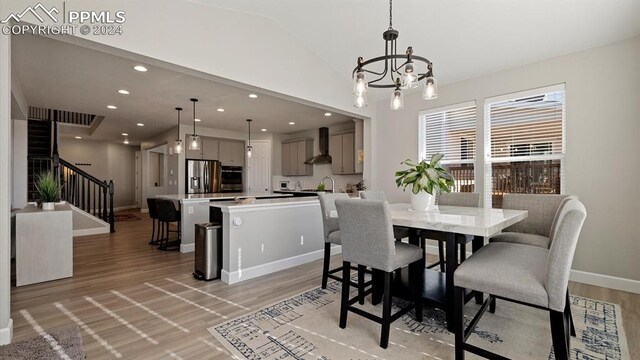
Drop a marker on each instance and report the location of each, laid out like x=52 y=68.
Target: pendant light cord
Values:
x=194 y=117
x=390 y=14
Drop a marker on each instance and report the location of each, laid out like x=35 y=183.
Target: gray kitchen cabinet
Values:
x=210 y=148
x=231 y=153
x=342 y=150
x=294 y=154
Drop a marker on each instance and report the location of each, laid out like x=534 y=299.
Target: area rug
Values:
x=64 y=343
x=306 y=327
x=125 y=217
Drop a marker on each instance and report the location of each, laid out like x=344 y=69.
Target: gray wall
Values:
x=109 y=161
x=602 y=162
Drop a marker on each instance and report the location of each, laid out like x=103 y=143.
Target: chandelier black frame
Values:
x=403 y=76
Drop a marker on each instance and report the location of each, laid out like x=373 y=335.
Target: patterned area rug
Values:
x=306 y=327
x=126 y=217
x=59 y=344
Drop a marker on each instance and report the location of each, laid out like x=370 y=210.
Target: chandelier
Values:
x=407 y=75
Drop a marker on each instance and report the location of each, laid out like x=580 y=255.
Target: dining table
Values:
x=474 y=223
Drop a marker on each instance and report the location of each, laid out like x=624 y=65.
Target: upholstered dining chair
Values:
x=532 y=276
x=399 y=232
x=331 y=229
x=535 y=230
x=367 y=240
x=451 y=199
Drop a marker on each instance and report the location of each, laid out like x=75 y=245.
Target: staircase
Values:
x=92 y=196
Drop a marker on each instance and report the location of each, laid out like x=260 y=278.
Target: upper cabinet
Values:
x=294 y=154
x=342 y=150
x=231 y=153
x=210 y=148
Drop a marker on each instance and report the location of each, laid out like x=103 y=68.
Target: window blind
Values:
x=527 y=128
x=450 y=131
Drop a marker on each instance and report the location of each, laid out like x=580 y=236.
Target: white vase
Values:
x=48 y=206
x=423 y=201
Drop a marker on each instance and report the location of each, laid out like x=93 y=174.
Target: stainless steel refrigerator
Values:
x=203 y=176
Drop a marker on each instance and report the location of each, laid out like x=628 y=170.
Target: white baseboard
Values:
x=268 y=268
x=6 y=334
x=611 y=282
x=127 y=207
x=584 y=277
x=95 y=231
x=187 y=248
x=144 y=211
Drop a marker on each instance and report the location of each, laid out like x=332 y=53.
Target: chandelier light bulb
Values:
x=178 y=147
x=194 y=144
x=430 y=89
x=360 y=85
x=410 y=76
x=397 y=100
x=249 y=151
x=360 y=101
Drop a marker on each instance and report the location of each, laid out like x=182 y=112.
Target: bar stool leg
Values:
x=153 y=232
x=361 y=270
x=441 y=255
x=325 y=264
x=344 y=304
x=386 y=311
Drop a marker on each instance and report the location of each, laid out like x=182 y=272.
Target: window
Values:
x=451 y=131
x=525 y=144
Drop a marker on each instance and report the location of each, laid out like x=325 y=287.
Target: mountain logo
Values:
x=34 y=11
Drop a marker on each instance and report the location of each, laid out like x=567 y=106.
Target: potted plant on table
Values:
x=426 y=179
x=48 y=190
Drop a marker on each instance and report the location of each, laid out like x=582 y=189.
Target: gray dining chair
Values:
x=331 y=229
x=367 y=240
x=399 y=232
x=532 y=276
x=451 y=199
x=535 y=230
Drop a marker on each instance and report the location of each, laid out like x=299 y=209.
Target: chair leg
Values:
x=344 y=303
x=567 y=309
x=441 y=255
x=417 y=269
x=558 y=332
x=463 y=252
x=325 y=264
x=492 y=306
x=361 y=270
x=458 y=310
x=386 y=311
x=153 y=232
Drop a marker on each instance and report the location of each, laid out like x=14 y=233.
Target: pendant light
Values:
x=397 y=98
x=194 y=141
x=178 y=146
x=430 y=89
x=249 y=143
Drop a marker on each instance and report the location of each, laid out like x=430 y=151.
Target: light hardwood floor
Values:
x=133 y=301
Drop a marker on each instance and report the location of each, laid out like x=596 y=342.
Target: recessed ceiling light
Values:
x=123 y=92
x=263 y=129
x=253 y=96
x=126 y=141
x=327 y=114
x=140 y=124
x=78 y=137
x=112 y=107
x=220 y=110
x=140 y=68
x=125 y=134
x=292 y=123
x=197 y=120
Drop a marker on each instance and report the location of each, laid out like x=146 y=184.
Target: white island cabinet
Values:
x=268 y=236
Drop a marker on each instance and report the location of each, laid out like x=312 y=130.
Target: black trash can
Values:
x=208 y=251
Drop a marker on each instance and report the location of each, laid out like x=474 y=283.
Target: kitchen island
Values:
x=269 y=235
x=194 y=210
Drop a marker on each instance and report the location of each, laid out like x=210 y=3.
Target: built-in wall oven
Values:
x=231 y=178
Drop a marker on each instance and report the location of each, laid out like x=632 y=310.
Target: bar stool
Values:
x=399 y=232
x=531 y=276
x=153 y=214
x=367 y=240
x=167 y=214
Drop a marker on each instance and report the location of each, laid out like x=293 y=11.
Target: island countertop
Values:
x=221 y=196
x=226 y=206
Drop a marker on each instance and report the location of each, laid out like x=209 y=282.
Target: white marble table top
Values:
x=220 y=196
x=455 y=219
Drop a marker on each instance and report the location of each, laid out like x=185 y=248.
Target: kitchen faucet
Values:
x=333 y=183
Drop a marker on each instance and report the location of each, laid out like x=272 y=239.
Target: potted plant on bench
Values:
x=48 y=190
x=426 y=179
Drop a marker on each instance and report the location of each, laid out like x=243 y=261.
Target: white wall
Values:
x=19 y=166
x=109 y=161
x=603 y=125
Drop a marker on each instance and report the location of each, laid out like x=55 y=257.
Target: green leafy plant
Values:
x=427 y=176
x=320 y=187
x=47 y=187
x=360 y=186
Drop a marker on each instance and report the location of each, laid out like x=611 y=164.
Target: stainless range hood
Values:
x=324 y=157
